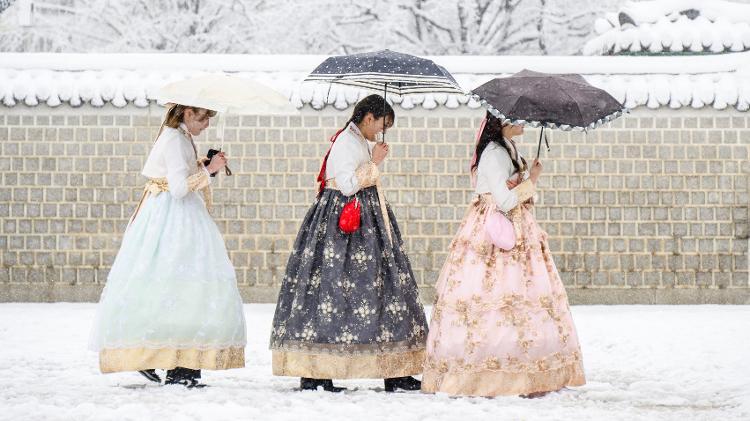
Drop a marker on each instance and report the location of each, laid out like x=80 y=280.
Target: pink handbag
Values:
x=500 y=231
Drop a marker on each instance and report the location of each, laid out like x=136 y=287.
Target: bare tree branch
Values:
x=430 y=21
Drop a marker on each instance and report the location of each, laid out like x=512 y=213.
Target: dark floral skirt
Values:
x=349 y=304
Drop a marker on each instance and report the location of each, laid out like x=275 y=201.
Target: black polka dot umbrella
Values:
x=386 y=71
x=555 y=101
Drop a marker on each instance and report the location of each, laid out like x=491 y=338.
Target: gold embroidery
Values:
x=198 y=181
x=474 y=317
x=367 y=174
x=507 y=364
x=332 y=366
x=490 y=380
x=136 y=359
x=525 y=191
x=155 y=186
x=384 y=211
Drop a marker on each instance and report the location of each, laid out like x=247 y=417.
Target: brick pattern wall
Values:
x=653 y=208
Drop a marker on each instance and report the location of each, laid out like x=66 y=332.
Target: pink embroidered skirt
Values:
x=501 y=324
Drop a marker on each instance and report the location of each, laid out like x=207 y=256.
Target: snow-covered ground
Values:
x=642 y=362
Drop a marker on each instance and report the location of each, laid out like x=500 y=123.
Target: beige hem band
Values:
x=495 y=383
x=136 y=359
x=331 y=366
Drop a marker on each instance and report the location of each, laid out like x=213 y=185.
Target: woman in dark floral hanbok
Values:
x=349 y=305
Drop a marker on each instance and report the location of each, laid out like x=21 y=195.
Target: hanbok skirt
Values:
x=171 y=298
x=349 y=304
x=501 y=324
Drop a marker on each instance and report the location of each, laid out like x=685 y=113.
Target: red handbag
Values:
x=349 y=219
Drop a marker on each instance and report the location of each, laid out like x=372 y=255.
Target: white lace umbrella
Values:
x=227 y=94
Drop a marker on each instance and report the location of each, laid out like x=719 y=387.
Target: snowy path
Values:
x=642 y=362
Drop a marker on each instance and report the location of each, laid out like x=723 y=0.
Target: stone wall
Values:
x=653 y=209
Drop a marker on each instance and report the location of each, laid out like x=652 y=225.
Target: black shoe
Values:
x=313 y=384
x=403 y=383
x=195 y=384
x=184 y=376
x=190 y=384
x=151 y=375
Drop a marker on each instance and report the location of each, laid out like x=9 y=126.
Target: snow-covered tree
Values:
x=564 y=26
x=467 y=27
x=4 y=4
x=221 y=26
x=22 y=29
x=331 y=26
x=183 y=26
x=424 y=27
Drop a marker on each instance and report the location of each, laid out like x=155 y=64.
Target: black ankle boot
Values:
x=403 y=383
x=306 y=383
x=184 y=376
x=151 y=375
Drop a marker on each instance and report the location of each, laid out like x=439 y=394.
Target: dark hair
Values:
x=374 y=104
x=493 y=132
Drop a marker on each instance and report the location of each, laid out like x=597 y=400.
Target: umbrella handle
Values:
x=220 y=129
x=546 y=142
x=539 y=148
x=385 y=104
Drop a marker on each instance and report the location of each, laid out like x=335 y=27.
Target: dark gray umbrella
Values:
x=555 y=101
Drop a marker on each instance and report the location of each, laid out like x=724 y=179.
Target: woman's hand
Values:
x=218 y=162
x=379 y=152
x=513 y=181
x=536 y=171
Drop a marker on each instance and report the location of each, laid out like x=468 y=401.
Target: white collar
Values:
x=513 y=146
x=183 y=128
x=353 y=127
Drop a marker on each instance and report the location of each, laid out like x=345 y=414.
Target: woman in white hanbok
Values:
x=171 y=300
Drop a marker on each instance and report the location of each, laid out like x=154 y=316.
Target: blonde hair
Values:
x=176 y=114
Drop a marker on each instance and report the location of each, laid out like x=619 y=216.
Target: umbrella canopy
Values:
x=226 y=94
x=556 y=101
x=386 y=71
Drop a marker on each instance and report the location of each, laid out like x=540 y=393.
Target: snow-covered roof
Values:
x=673 y=26
x=120 y=79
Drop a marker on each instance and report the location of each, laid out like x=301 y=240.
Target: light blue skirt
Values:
x=172 y=284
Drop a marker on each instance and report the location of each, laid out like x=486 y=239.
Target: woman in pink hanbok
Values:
x=501 y=324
